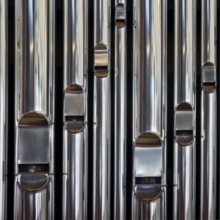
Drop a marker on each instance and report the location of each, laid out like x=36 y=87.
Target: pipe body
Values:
x=208 y=169
x=75 y=140
x=120 y=131
x=184 y=110
x=102 y=110
x=149 y=110
x=34 y=109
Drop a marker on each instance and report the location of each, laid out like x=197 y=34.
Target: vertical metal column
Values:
x=185 y=114
x=149 y=110
x=75 y=130
x=208 y=111
x=102 y=110
x=34 y=109
x=3 y=106
x=120 y=109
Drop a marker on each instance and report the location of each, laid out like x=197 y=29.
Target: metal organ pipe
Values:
x=149 y=110
x=102 y=110
x=34 y=109
x=75 y=140
x=120 y=130
x=184 y=110
x=208 y=165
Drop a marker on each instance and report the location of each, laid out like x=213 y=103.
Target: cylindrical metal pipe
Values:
x=34 y=109
x=208 y=169
x=75 y=140
x=120 y=110
x=184 y=108
x=149 y=110
x=102 y=110
x=4 y=106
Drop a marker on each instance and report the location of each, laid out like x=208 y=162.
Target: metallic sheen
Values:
x=208 y=164
x=185 y=110
x=102 y=111
x=75 y=140
x=34 y=109
x=120 y=131
x=3 y=106
x=149 y=109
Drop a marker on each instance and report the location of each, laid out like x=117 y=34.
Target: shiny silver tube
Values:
x=120 y=110
x=208 y=111
x=75 y=140
x=4 y=107
x=149 y=110
x=184 y=108
x=102 y=110
x=34 y=109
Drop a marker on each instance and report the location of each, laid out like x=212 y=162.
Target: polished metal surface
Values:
x=120 y=130
x=208 y=157
x=3 y=106
x=101 y=111
x=34 y=110
x=33 y=66
x=149 y=108
x=116 y=118
x=37 y=205
x=184 y=147
x=101 y=154
x=75 y=140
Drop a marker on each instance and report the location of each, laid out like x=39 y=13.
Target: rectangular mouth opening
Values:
x=33 y=168
x=120 y=23
x=184 y=133
x=209 y=84
x=101 y=60
x=101 y=68
x=147 y=180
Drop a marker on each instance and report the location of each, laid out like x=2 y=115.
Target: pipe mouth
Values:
x=120 y=15
x=184 y=124
x=75 y=120
x=101 y=61
x=209 y=77
x=33 y=119
x=148 y=140
x=33 y=177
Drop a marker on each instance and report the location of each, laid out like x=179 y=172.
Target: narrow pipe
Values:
x=102 y=110
x=4 y=106
x=185 y=110
x=75 y=140
x=208 y=155
x=120 y=110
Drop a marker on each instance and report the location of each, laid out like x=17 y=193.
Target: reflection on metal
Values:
x=184 y=108
x=3 y=106
x=75 y=111
x=120 y=110
x=208 y=170
x=34 y=109
x=149 y=110
x=102 y=112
